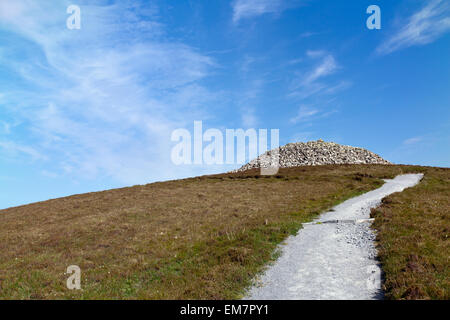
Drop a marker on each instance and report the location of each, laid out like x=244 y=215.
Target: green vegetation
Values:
x=413 y=236
x=198 y=238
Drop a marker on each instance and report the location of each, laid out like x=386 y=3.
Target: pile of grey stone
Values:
x=314 y=153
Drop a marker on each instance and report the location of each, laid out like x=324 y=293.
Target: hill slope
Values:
x=204 y=237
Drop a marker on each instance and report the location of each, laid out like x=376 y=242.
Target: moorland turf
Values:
x=204 y=237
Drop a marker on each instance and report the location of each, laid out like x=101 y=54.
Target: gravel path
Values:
x=333 y=257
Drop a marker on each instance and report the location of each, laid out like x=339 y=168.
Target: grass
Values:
x=413 y=239
x=198 y=238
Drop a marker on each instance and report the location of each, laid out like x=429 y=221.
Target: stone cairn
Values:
x=315 y=153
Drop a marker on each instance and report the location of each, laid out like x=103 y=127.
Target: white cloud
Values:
x=10 y=10
x=294 y=61
x=413 y=140
x=249 y=119
x=247 y=61
x=326 y=67
x=5 y=127
x=311 y=82
x=315 y=53
x=13 y=149
x=314 y=88
x=344 y=84
x=423 y=27
x=248 y=99
x=304 y=113
x=101 y=106
x=251 y=8
x=243 y=9
x=308 y=34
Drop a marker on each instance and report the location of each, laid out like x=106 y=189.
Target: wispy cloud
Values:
x=326 y=67
x=423 y=27
x=413 y=140
x=315 y=89
x=308 y=34
x=5 y=127
x=304 y=113
x=294 y=61
x=310 y=83
x=344 y=84
x=100 y=101
x=243 y=9
x=249 y=118
x=14 y=148
x=307 y=113
x=315 y=53
x=248 y=101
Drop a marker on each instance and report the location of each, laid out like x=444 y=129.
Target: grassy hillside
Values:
x=199 y=238
x=414 y=245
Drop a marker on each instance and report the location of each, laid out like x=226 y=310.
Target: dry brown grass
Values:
x=199 y=238
x=413 y=236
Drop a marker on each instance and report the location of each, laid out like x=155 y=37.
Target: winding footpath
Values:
x=334 y=257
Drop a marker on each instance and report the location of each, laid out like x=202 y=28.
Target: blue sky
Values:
x=93 y=109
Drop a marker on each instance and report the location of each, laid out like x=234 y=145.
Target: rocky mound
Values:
x=314 y=153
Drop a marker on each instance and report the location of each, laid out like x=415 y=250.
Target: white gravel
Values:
x=334 y=257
